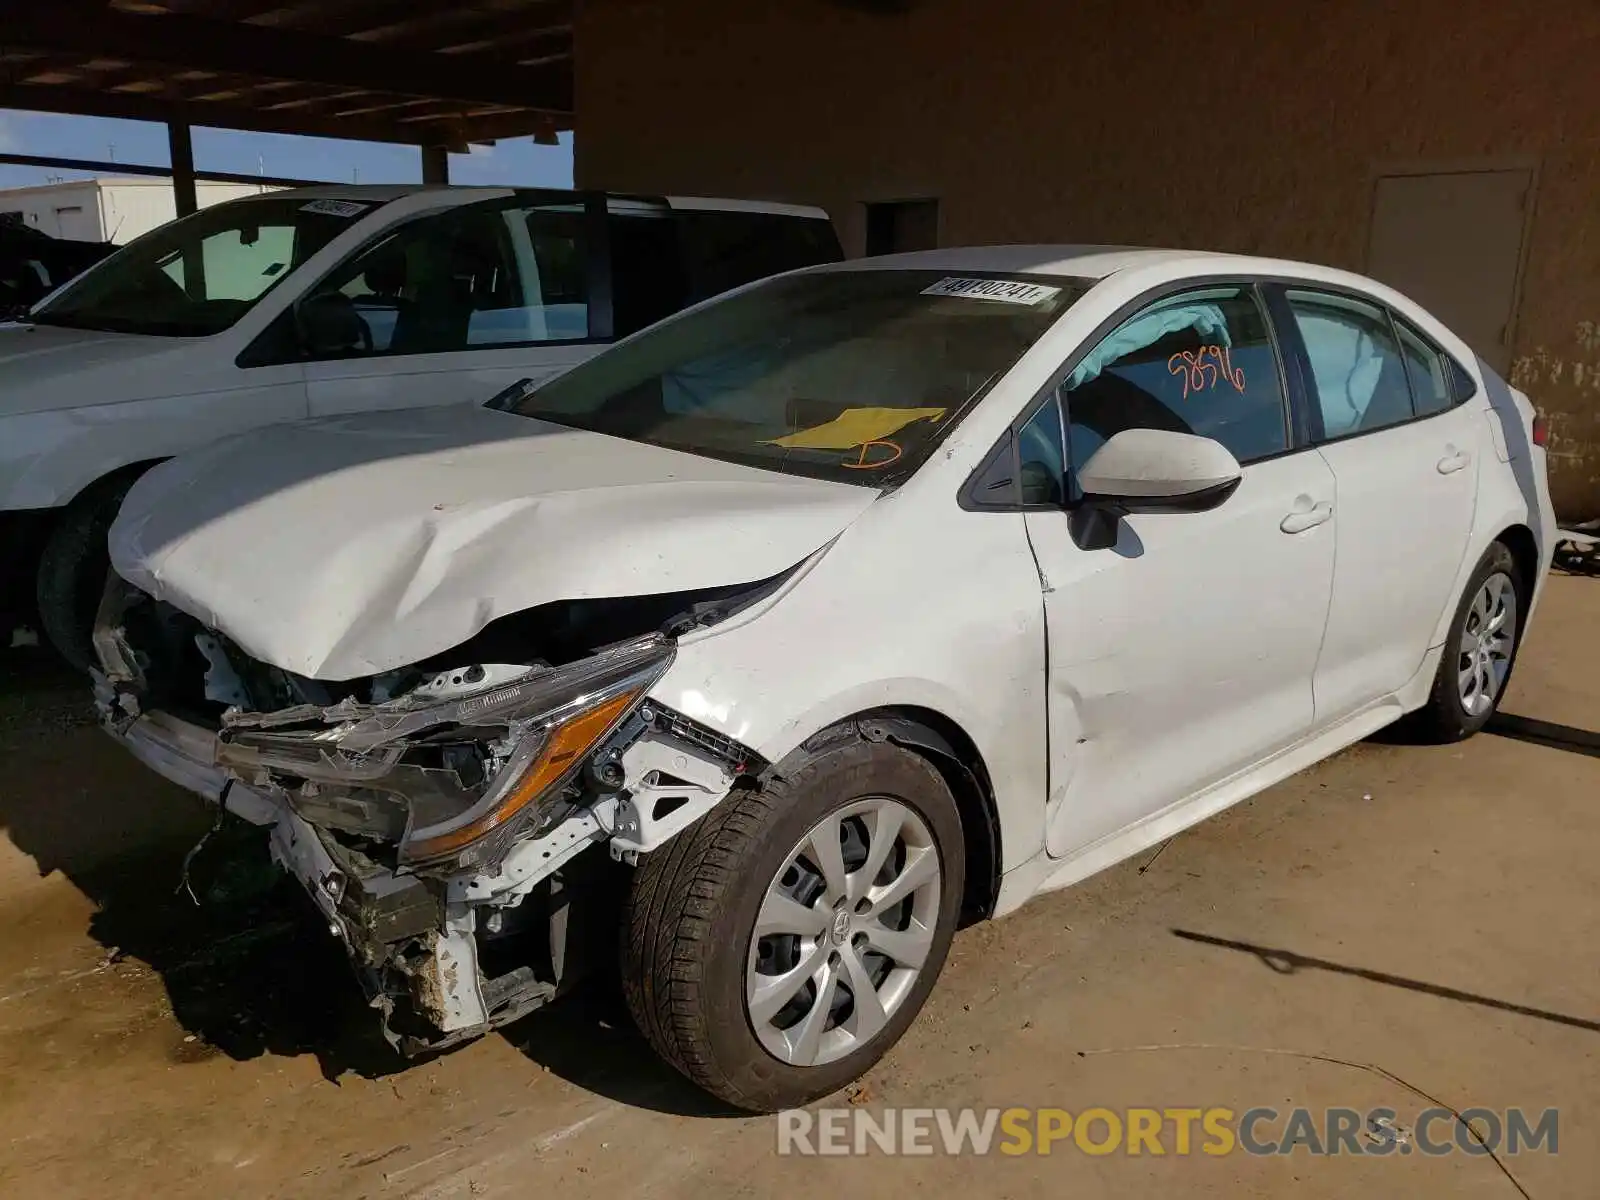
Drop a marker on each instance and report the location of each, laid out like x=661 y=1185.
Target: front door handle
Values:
x=1303 y=519
x=1453 y=461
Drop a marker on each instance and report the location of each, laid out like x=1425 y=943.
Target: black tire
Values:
x=692 y=906
x=1444 y=718
x=73 y=568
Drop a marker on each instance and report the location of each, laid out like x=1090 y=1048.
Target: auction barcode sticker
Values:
x=335 y=208
x=1009 y=291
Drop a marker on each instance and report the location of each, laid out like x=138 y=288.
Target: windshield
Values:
x=849 y=375
x=198 y=276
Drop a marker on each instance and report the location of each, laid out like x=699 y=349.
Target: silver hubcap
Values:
x=1484 y=655
x=843 y=932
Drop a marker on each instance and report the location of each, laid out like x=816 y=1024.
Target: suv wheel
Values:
x=73 y=568
x=776 y=950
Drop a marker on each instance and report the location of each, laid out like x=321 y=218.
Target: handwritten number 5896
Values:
x=1205 y=368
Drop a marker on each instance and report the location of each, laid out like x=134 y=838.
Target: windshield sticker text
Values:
x=874 y=455
x=1205 y=368
x=1008 y=291
x=335 y=208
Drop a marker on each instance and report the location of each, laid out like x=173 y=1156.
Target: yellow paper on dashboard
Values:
x=857 y=426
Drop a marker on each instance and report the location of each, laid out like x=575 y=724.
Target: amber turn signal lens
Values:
x=566 y=744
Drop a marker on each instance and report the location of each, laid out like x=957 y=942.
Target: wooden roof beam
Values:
x=196 y=43
x=456 y=132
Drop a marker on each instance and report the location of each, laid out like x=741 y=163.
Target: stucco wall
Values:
x=1223 y=124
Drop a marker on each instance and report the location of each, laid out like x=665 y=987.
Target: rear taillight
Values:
x=1541 y=431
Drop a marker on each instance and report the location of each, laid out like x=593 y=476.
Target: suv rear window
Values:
x=722 y=250
x=663 y=260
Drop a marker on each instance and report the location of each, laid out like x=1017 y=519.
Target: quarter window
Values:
x=1430 y=386
x=1201 y=362
x=1355 y=363
x=1041 y=467
x=1462 y=385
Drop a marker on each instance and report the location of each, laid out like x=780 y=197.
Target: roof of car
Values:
x=373 y=193
x=383 y=193
x=1077 y=262
x=724 y=204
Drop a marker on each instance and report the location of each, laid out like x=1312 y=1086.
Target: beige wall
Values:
x=1222 y=124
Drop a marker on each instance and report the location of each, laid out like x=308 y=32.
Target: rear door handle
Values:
x=1303 y=519
x=1453 y=462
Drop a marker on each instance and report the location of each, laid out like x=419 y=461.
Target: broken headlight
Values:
x=452 y=772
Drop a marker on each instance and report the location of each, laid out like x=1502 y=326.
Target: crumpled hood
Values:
x=351 y=546
x=43 y=368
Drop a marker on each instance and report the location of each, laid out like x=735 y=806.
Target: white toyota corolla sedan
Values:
x=790 y=633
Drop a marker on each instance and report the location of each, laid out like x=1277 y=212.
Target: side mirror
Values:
x=1150 y=470
x=330 y=326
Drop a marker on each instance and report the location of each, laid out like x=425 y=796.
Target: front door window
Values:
x=1201 y=362
x=468 y=279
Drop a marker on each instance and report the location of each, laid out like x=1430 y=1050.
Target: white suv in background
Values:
x=319 y=301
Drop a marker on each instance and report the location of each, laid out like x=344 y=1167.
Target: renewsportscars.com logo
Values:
x=1215 y=1131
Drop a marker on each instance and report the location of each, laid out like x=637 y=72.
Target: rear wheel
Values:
x=1480 y=649
x=777 y=949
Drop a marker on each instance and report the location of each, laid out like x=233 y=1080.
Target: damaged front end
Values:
x=437 y=817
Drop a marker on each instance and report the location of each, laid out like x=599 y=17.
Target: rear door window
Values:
x=1356 y=364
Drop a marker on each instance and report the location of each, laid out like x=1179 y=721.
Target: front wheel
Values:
x=73 y=568
x=776 y=950
x=1479 y=651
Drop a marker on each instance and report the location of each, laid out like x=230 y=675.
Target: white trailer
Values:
x=111 y=209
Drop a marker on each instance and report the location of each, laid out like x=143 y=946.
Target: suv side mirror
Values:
x=329 y=326
x=1150 y=470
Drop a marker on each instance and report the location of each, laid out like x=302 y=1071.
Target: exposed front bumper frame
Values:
x=185 y=754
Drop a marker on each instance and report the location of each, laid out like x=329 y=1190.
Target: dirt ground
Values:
x=1398 y=921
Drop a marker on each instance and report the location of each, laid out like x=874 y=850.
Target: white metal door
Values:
x=417 y=380
x=1406 y=498
x=455 y=307
x=1405 y=464
x=1185 y=653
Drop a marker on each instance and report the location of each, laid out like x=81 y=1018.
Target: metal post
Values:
x=435 y=164
x=181 y=150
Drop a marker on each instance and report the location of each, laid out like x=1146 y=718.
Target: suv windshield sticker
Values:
x=1009 y=291
x=336 y=208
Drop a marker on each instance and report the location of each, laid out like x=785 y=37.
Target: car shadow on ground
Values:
x=248 y=966
x=1545 y=733
x=588 y=1039
x=1549 y=734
